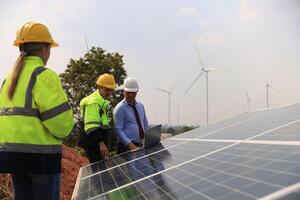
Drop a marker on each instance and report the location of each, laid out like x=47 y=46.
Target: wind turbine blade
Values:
x=193 y=82
x=208 y=69
x=247 y=94
x=86 y=44
x=273 y=88
x=161 y=90
x=198 y=55
x=173 y=86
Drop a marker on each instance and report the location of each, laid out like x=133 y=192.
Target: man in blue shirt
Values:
x=130 y=118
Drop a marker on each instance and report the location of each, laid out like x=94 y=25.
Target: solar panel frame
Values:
x=248 y=151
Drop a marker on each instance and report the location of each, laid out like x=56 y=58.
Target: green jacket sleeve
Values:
x=52 y=102
x=92 y=119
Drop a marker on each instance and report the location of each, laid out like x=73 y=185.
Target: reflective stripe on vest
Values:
x=93 y=122
x=28 y=98
x=33 y=112
x=19 y=111
x=101 y=126
x=30 y=148
x=54 y=111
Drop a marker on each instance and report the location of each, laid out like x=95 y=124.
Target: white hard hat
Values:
x=130 y=85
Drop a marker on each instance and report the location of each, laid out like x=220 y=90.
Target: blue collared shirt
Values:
x=125 y=123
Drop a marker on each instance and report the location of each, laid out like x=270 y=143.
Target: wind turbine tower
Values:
x=248 y=101
x=203 y=70
x=169 y=93
x=267 y=93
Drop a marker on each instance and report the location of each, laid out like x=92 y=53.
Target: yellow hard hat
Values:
x=107 y=81
x=34 y=32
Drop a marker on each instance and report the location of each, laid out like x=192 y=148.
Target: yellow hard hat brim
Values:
x=52 y=44
x=113 y=87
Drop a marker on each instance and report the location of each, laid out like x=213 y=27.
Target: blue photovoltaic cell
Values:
x=213 y=178
x=88 y=170
x=102 y=181
x=271 y=120
x=242 y=118
x=289 y=133
x=185 y=168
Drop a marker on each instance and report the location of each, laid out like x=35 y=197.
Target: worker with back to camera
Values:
x=94 y=113
x=34 y=117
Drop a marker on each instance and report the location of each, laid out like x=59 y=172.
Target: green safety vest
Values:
x=38 y=116
x=94 y=112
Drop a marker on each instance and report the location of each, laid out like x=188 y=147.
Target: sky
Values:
x=247 y=43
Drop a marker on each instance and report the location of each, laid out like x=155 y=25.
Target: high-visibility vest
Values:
x=38 y=116
x=94 y=112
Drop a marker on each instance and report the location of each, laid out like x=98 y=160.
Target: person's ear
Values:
x=43 y=51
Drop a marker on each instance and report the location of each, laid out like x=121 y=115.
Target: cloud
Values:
x=190 y=11
x=210 y=38
x=248 y=12
x=187 y=11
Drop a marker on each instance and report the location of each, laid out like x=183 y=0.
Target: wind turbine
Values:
x=86 y=44
x=267 y=93
x=248 y=100
x=203 y=70
x=168 y=92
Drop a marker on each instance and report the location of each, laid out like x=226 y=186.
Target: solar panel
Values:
x=224 y=124
x=142 y=166
x=251 y=156
x=286 y=133
x=251 y=125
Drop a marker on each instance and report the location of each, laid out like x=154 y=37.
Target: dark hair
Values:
x=32 y=47
x=26 y=49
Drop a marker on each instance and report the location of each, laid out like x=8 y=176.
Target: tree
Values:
x=79 y=79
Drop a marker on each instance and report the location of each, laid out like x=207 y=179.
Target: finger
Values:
x=105 y=153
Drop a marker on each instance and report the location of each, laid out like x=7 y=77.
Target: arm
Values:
x=51 y=100
x=119 y=118
x=146 y=125
x=92 y=123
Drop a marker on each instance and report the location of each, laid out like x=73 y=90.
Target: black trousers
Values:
x=36 y=186
x=91 y=147
x=93 y=153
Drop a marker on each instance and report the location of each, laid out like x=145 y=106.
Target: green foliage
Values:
x=171 y=130
x=79 y=81
x=188 y=128
x=79 y=150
